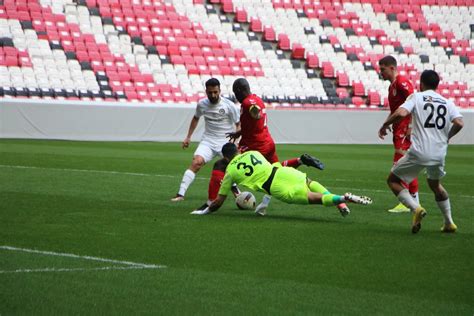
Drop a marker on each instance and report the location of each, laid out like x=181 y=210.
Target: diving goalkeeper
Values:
x=252 y=170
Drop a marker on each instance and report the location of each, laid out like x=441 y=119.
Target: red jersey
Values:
x=398 y=92
x=254 y=131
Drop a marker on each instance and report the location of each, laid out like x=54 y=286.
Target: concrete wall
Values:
x=74 y=120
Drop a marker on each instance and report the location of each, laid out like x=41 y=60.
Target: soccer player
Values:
x=436 y=120
x=289 y=185
x=255 y=136
x=400 y=88
x=221 y=116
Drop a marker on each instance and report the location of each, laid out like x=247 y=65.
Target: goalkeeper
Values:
x=289 y=185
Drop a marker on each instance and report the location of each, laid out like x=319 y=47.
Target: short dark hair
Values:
x=241 y=84
x=388 y=61
x=229 y=150
x=213 y=82
x=430 y=79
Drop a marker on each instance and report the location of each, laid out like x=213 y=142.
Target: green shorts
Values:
x=289 y=185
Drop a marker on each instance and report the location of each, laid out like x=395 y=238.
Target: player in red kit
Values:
x=254 y=132
x=400 y=88
x=255 y=136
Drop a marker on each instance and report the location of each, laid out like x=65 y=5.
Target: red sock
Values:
x=413 y=186
x=295 y=163
x=215 y=184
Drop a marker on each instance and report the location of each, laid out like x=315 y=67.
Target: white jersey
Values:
x=219 y=119
x=432 y=115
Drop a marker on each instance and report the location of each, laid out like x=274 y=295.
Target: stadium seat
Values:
x=164 y=42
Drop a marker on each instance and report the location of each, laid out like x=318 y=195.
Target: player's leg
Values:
x=413 y=189
x=304 y=159
x=334 y=199
x=413 y=185
x=441 y=197
x=399 y=153
x=202 y=155
x=407 y=170
x=317 y=187
x=291 y=186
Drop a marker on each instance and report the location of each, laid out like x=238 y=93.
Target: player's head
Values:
x=213 y=90
x=241 y=89
x=429 y=80
x=229 y=151
x=388 y=67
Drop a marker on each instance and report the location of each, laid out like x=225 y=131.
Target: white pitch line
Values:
x=198 y=178
x=100 y=171
x=74 y=269
x=70 y=255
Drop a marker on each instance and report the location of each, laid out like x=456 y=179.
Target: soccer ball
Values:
x=245 y=201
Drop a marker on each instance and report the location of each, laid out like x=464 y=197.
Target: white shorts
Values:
x=208 y=150
x=407 y=169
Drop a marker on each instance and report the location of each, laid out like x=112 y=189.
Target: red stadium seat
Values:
x=312 y=60
x=358 y=88
x=269 y=34
x=283 y=42
x=297 y=51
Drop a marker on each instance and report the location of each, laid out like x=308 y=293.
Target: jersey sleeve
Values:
x=234 y=113
x=410 y=103
x=453 y=111
x=252 y=104
x=199 y=110
x=405 y=87
x=226 y=185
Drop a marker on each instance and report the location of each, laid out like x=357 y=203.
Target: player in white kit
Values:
x=435 y=121
x=221 y=116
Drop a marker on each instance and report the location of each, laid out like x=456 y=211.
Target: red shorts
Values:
x=401 y=142
x=401 y=135
x=266 y=149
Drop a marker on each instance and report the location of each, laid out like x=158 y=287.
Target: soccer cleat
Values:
x=202 y=207
x=261 y=209
x=400 y=208
x=177 y=198
x=416 y=220
x=343 y=209
x=310 y=161
x=449 y=228
x=364 y=200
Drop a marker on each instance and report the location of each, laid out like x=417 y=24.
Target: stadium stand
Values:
x=298 y=54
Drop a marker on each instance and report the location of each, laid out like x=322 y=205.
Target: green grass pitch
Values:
x=135 y=252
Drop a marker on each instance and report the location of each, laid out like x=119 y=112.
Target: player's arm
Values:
x=192 y=127
x=215 y=205
x=395 y=117
x=458 y=124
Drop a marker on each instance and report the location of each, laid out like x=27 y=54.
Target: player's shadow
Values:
x=282 y=217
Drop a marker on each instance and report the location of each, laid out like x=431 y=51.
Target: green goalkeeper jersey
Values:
x=249 y=169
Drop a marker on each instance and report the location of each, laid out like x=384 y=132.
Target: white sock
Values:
x=266 y=200
x=416 y=197
x=209 y=202
x=445 y=207
x=188 y=178
x=406 y=199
